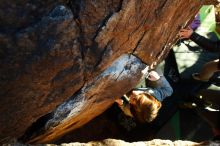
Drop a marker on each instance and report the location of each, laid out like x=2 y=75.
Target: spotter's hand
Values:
x=185 y=33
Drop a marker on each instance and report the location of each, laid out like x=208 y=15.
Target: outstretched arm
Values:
x=200 y=40
x=161 y=90
x=205 y=43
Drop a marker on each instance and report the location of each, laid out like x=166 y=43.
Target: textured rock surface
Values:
x=41 y=66
x=114 y=142
x=94 y=98
x=51 y=52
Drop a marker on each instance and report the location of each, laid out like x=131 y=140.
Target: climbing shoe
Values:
x=195 y=76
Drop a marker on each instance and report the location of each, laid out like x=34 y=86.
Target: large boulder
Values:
x=41 y=66
x=94 y=98
x=70 y=59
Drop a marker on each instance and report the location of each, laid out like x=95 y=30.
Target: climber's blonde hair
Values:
x=145 y=108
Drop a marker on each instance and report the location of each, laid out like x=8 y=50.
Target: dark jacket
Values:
x=212 y=46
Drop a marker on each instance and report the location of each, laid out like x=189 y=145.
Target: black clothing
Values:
x=212 y=46
x=207 y=44
x=213 y=118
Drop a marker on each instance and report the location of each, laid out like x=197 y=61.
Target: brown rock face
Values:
x=41 y=66
x=71 y=59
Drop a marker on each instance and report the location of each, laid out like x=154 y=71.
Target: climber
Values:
x=144 y=103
